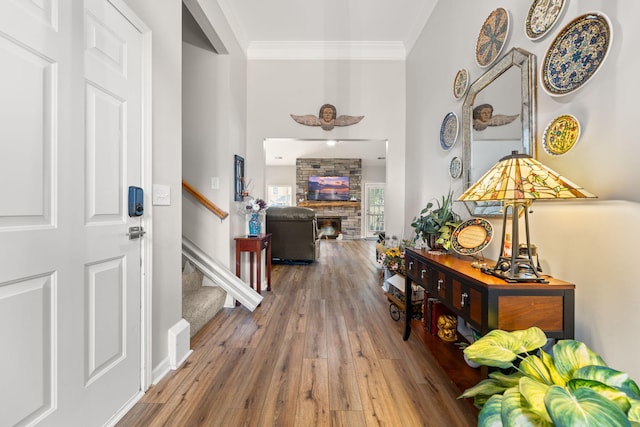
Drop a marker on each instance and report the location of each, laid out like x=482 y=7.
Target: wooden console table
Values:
x=255 y=245
x=487 y=302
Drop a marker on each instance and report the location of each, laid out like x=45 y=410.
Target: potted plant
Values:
x=570 y=386
x=436 y=223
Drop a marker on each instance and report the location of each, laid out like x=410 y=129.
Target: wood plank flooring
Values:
x=321 y=350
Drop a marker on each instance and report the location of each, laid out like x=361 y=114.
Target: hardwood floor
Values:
x=321 y=350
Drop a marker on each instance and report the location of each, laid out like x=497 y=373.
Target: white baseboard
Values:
x=160 y=371
x=179 y=351
x=179 y=343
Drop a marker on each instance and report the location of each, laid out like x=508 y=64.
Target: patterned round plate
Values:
x=542 y=16
x=561 y=135
x=455 y=168
x=576 y=54
x=449 y=131
x=460 y=84
x=472 y=236
x=492 y=37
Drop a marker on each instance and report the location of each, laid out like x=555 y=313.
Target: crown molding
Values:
x=294 y=50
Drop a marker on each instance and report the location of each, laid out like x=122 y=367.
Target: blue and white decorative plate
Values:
x=472 y=236
x=455 y=168
x=460 y=83
x=493 y=37
x=449 y=131
x=576 y=54
x=542 y=16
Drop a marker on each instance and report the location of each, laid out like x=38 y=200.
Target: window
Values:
x=279 y=195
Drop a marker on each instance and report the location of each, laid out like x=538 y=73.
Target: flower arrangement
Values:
x=251 y=206
x=393 y=259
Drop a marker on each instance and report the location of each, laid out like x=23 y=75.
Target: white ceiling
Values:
x=284 y=151
x=303 y=28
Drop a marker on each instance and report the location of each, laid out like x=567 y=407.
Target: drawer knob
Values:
x=440 y=283
x=410 y=265
x=463 y=299
x=422 y=273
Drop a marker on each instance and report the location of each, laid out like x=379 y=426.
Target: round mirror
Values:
x=498 y=117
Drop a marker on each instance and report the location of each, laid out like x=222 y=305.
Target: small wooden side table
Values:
x=255 y=245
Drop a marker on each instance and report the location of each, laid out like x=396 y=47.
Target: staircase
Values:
x=205 y=285
x=200 y=302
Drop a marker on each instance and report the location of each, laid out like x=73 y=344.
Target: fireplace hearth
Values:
x=330 y=227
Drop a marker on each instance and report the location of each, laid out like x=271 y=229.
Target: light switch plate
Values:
x=161 y=195
x=215 y=183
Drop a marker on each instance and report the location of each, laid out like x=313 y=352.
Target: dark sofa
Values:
x=294 y=232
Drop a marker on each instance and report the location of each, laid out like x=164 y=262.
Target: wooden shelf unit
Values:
x=329 y=204
x=486 y=302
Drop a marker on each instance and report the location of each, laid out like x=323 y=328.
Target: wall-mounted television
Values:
x=328 y=188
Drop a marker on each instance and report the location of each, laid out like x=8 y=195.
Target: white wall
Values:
x=208 y=149
x=592 y=243
x=164 y=19
x=224 y=106
x=214 y=109
x=375 y=174
x=374 y=89
x=579 y=243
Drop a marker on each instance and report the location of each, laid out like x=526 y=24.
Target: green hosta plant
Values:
x=570 y=387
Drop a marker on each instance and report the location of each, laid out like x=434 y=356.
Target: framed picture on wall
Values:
x=238 y=169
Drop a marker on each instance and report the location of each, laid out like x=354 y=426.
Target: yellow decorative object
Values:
x=561 y=135
x=447 y=328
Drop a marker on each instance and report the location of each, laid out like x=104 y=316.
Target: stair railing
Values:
x=204 y=201
x=221 y=275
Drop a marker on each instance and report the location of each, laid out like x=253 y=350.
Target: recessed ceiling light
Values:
x=331 y=142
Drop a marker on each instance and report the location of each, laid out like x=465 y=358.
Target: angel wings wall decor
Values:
x=327 y=118
x=483 y=117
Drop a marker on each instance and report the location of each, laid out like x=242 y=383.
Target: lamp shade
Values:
x=521 y=177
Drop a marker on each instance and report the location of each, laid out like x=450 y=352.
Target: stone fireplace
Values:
x=349 y=212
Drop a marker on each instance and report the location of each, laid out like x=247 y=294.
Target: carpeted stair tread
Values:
x=199 y=303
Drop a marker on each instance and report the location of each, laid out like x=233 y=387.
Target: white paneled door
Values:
x=71 y=129
x=374 y=209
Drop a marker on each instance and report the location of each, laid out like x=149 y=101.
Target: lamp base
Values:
x=515 y=268
x=519 y=277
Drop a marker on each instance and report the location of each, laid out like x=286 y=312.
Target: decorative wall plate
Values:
x=542 y=16
x=492 y=37
x=472 y=236
x=449 y=131
x=460 y=83
x=561 y=135
x=455 y=168
x=576 y=53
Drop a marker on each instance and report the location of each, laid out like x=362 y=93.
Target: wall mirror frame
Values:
x=526 y=62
